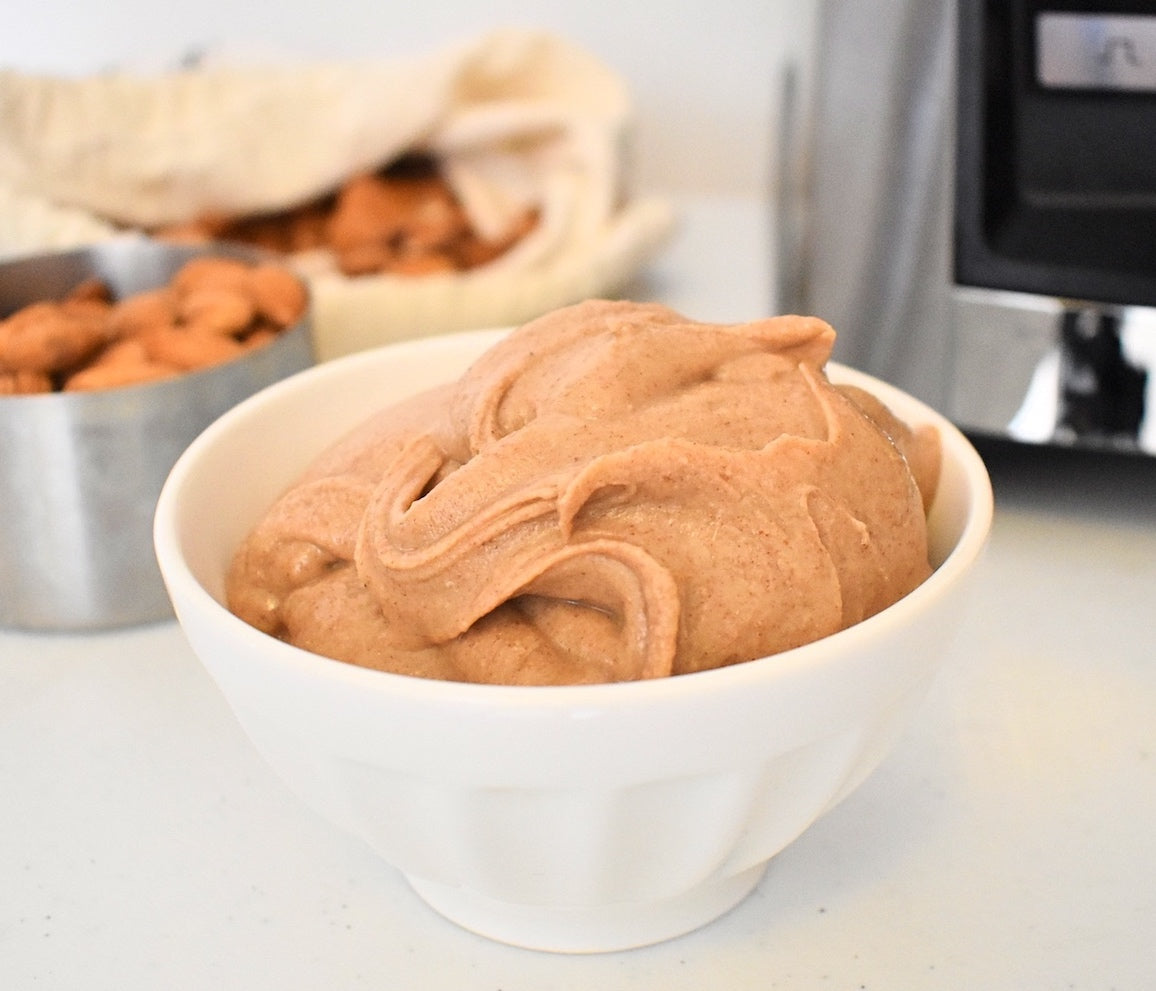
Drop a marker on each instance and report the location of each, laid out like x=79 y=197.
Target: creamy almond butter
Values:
x=612 y=492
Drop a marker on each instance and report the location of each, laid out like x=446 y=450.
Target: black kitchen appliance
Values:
x=970 y=199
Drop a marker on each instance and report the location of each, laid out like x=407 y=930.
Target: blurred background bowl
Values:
x=80 y=471
x=576 y=818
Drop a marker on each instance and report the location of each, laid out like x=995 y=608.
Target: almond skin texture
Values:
x=212 y=310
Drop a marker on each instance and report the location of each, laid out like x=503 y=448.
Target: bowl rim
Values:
x=843 y=647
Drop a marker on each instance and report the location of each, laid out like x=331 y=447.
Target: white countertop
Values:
x=1009 y=842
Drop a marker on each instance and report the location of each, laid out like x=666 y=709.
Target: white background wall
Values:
x=704 y=74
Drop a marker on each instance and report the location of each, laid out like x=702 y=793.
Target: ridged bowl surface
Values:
x=580 y=818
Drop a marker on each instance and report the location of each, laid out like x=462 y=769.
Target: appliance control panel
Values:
x=1055 y=179
x=1096 y=51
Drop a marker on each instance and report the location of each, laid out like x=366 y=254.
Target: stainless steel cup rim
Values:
x=80 y=472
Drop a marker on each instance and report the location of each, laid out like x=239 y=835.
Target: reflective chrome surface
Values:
x=80 y=472
x=1050 y=371
x=867 y=179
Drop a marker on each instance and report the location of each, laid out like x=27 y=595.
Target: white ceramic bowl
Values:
x=579 y=818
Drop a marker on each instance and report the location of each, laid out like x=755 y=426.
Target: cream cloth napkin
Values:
x=517 y=118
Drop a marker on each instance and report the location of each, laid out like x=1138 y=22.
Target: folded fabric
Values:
x=516 y=119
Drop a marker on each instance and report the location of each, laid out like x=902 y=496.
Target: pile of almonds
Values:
x=404 y=220
x=212 y=310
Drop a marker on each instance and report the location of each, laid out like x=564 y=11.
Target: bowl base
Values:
x=587 y=929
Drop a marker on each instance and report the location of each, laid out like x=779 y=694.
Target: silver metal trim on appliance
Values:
x=865 y=200
x=1041 y=370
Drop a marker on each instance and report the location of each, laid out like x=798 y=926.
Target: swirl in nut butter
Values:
x=612 y=492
